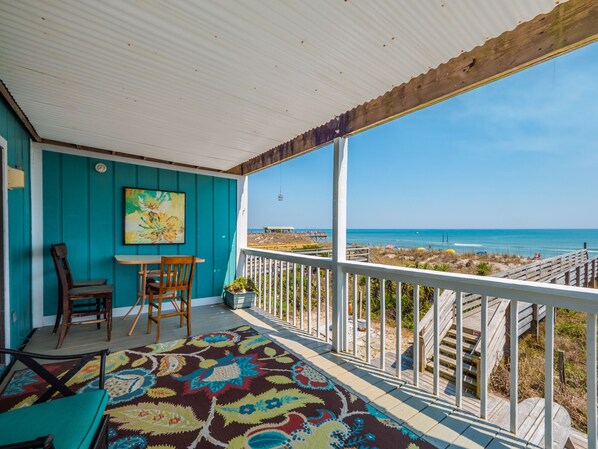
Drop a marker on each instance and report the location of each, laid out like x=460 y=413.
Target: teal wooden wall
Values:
x=84 y=209
x=19 y=217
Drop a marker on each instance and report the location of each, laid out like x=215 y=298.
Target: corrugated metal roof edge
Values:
x=570 y=25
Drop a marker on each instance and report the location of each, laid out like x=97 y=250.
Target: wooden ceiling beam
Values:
x=568 y=26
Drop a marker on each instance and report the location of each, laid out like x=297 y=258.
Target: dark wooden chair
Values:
x=61 y=252
x=73 y=420
x=87 y=301
x=174 y=284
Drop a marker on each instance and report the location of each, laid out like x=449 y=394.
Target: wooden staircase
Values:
x=448 y=355
x=575 y=268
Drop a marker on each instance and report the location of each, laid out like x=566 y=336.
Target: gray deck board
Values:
x=436 y=419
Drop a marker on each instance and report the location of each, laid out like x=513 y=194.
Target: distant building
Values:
x=285 y=229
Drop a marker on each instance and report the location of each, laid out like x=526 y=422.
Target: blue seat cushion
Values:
x=73 y=421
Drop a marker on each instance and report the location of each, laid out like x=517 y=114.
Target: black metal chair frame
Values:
x=59 y=385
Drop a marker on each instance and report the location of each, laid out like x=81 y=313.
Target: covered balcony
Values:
x=193 y=98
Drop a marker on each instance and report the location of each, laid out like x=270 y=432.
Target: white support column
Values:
x=37 y=234
x=339 y=242
x=242 y=195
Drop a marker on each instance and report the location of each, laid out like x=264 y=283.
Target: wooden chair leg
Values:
x=188 y=316
x=159 y=318
x=99 y=315
x=66 y=322
x=149 y=312
x=58 y=315
x=182 y=310
x=108 y=315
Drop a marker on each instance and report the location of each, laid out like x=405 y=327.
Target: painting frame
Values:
x=134 y=208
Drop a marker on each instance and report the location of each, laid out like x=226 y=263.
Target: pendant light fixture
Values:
x=280 y=195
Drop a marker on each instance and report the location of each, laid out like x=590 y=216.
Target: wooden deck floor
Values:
x=436 y=419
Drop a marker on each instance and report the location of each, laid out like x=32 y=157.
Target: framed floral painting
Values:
x=154 y=217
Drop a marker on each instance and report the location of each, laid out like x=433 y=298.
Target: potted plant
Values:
x=240 y=293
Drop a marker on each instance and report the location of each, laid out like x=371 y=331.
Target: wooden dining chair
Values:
x=174 y=284
x=61 y=253
x=94 y=301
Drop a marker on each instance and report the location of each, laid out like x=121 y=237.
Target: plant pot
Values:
x=239 y=300
x=361 y=325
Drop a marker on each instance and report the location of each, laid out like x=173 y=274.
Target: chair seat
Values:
x=91 y=290
x=155 y=286
x=73 y=421
x=87 y=283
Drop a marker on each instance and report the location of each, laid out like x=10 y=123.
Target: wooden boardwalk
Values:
x=435 y=419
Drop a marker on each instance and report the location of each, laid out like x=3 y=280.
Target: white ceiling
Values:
x=214 y=83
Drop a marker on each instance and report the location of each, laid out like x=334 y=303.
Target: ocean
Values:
x=523 y=242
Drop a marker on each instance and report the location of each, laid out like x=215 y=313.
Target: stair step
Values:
x=449 y=373
x=452 y=341
x=468 y=368
x=467 y=337
x=452 y=351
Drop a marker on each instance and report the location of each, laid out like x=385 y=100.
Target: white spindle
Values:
x=318 y=308
x=309 y=300
x=281 y=291
x=270 y=285
x=260 y=269
x=327 y=315
x=382 y=324
x=459 y=350
x=399 y=329
x=368 y=320
x=549 y=377
x=288 y=288
x=592 y=380
x=295 y=294
x=301 y=298
x=354 y=314
x=275 y=302
x=513 y=331
x=483 y=374
x=436 y=341
x=346 y=313
x=416 y=335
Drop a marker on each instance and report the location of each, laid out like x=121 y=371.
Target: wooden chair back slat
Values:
x=59 y=256
x=176 y=273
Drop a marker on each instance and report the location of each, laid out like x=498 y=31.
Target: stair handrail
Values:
x=447 y=299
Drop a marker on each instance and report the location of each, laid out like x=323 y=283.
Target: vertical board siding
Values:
x=205 y=226
x=19 y=219
x=221 y=230
x=101 y=221
x=85 y=210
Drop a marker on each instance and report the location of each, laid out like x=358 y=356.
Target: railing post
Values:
x=592 y=381
x=242 y=195
x=514 y=362
x=339 y=243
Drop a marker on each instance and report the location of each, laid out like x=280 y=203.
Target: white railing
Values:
x=294 y=287
x=381 y=341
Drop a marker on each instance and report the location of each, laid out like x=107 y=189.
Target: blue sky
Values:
x=521 y=152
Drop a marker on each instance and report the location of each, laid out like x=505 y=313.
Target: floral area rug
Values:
x=234 y=389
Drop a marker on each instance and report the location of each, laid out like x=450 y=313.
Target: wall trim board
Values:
x=37 y=235
x=6 y=292
x=126 y=160
x=122 y=311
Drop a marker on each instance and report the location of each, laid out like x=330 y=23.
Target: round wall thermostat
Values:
x=101 y=168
